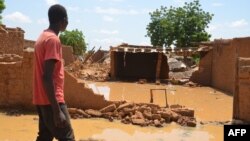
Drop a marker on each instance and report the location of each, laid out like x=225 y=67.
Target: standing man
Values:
x=48 y=96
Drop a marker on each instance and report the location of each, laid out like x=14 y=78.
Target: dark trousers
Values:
x=48 y=130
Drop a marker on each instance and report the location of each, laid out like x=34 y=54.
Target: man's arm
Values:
x=48 y=84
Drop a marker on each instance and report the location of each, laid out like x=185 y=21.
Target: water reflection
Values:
x=173 y=135
x=101 y=90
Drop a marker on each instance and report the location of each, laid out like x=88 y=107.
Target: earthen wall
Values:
x=11 y=40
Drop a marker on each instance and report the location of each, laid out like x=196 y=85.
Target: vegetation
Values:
x=2 y=7
x=182 y=26
x=74 y=38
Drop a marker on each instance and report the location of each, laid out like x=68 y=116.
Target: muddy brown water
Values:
x=209 y=105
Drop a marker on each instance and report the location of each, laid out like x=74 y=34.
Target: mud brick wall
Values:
x=15 y=72
x=68 y=56
x=66 y=50
x=11 y=40
x=16 y=86
x=29 y=43
x=218 y=67
x=223 y=67
x=242 y=93
x=78 y=96
x=204 y=73
x=99 y=56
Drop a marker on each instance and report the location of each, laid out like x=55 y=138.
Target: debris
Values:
x=141 y=114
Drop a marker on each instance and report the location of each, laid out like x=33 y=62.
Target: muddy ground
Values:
x=213 y=109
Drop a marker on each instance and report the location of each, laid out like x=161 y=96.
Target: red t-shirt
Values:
x=48 y=46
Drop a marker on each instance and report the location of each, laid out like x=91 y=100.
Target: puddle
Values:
x=101 y=90
x=209 y=105
x=175 y=134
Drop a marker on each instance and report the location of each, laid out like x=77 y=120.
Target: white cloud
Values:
x=212 y=28
x=107 y=32
x=42 y=21
x=239 y=23
x=74 y=9
x=144 y=43
x=51 y=2
x=107 y=42
x=181 y=2
x=216 y=4
x=108 y=18
x=104 y=31
x=115 y=11
x=111 y=0
x=18 y=17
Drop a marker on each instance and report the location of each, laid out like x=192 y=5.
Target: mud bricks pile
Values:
x=142 y=114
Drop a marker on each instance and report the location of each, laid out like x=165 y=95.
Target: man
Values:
x=48 y=96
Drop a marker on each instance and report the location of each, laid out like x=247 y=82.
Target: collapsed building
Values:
x=16 y=74
x=224 y=65
x=143 y=62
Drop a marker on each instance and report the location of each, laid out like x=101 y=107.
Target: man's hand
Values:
x=60 y=120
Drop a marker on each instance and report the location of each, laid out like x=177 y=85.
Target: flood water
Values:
x=209 y=105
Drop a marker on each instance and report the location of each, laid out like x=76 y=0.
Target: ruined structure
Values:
x=143 y=62
x=223 y=67
x=217 y=67
x=16 y=71
x=129 y=61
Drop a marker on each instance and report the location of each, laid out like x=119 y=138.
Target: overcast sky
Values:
x=111 y=22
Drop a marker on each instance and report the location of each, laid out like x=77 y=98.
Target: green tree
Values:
x=181 y=26
x=2 y=7
x=74 y=38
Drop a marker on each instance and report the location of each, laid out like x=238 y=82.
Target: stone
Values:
x=156 y=116
x=157 y=123
x=140 y=122
x=81 y=112
x=147 y=114
x=93 y=113
x=174 y=116
x=184 y=111
x=128 y=110
x=109 y=108
x=191 y=123
x=126 y=105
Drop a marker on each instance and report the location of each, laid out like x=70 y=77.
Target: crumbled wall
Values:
x=130 y=65
x=77 y=95
x=99 y=56
x=203 y=75
x=16 y=85
x=68 y=56
x=16 y=74
x=11 y=40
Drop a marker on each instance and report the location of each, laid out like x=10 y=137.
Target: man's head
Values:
x=58 y=15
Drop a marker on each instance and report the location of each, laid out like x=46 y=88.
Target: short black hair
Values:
x=57 y=13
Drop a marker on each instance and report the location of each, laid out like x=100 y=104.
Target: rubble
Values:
x=141 y=114
x=89 y=71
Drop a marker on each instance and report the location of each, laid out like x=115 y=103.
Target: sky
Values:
x=106 y=23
